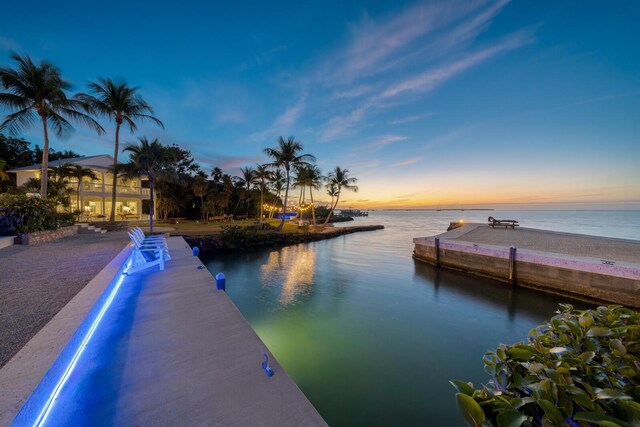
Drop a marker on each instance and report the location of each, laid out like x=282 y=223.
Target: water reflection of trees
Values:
x=294 y=268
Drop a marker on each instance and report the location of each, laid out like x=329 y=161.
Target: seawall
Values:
x=584 y=267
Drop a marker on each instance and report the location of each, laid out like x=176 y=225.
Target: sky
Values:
x=430 y=104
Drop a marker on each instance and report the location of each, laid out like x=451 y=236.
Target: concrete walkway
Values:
x=171 y=350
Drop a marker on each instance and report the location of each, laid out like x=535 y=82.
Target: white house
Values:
x=95 y=196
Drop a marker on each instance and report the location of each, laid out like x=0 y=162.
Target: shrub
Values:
x=234 y=235
x=580 y=369
x=21 y=214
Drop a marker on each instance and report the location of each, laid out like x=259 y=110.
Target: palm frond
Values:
x=20 y=120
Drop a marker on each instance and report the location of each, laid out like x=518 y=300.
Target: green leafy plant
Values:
x=579 y=369
x=21 y=214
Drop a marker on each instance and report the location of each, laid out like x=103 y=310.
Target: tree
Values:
x=216 y=175
x=79 y=172
x=246 y=181
x=39 y=91
x=53 y=154
x=148 y=159
x=287 y=155
x=262 y=176
x=116 y=100
x=3 y=175
x=15 y=152
x=200 y=187
x=314 y=181
x=340 y=179
x=277 y=182
x=57 y=189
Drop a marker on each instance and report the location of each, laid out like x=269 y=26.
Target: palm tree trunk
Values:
x=44 y=170
x=275 y=202
x=332 y=208
x=78 y=198
x=151 y=209
x=112 y=217
x=313 y=208
x=284 y=203
x=261 y=200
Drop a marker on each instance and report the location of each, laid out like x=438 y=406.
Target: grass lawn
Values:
x=198 y=228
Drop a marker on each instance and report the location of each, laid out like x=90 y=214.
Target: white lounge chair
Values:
x=146 y=255
x=139 y=243
x=138 y=232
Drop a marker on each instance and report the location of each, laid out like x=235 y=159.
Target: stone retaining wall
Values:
x=581 y=278
x=47 y=236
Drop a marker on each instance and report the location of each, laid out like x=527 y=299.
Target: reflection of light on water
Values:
x=293 y=267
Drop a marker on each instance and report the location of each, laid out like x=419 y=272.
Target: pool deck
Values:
x=593 y=268
x=170 y=350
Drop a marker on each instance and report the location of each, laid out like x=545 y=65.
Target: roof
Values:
x=100 y=161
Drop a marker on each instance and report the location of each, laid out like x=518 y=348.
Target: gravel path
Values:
x=552 y=241
x=37 y=281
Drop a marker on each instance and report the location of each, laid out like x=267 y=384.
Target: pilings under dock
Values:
x=585 y=267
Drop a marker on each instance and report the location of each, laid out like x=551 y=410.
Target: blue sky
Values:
x=428 y=103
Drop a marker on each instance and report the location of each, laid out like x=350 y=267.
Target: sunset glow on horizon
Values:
x=430 y=104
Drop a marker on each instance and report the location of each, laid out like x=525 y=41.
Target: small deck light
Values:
x=220 y=282
x=266 y=367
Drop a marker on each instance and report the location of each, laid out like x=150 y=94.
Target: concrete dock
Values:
x=591 y=268
x=168 y=350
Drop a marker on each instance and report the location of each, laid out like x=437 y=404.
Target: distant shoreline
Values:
x=434 y=210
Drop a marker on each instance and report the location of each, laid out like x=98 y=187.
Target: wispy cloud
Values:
x=432 y=78
x=408 y=161
x=387 y=139
x=9 y=44
x=410 y=119
x=375 y=42
x=229 y=162
x=340 y=125
x=447 y=137
x=352 y=92
x=283 y=124
x=435 y=38
x=261 y=59
x=364 y=165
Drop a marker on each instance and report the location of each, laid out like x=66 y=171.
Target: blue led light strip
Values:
x=46 y=409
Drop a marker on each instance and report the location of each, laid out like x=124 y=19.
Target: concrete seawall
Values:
x=584 y=267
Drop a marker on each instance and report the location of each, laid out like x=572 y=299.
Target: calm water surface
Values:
x=372 y=337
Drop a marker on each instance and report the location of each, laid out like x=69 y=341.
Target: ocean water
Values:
x=371 y=336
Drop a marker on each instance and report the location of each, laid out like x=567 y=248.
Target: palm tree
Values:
x=341 y=180
x=200 y=187
x=79 y=172
x=287 y=155
x=245 y=182
x=262 y=176
x=116 y=100
x=314 y=181
x=39 y=91
x=277 y=181
x=57 y=188
x=149 y=159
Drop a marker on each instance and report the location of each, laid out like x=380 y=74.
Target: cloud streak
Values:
x=408 y=161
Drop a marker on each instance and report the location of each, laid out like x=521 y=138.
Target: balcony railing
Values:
x=97 y=187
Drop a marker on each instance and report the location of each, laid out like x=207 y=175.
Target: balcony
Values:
x=97 y=187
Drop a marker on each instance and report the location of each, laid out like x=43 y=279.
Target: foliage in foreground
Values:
x=580 y=369
x=21 y=214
